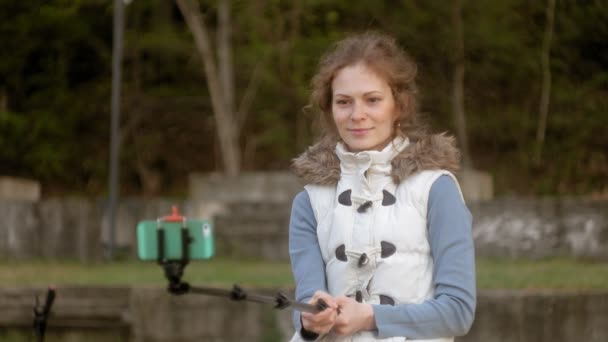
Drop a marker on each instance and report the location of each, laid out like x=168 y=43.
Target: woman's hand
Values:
x=322 y=322
x=354 y=317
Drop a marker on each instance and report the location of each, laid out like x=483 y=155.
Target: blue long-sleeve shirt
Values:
x=449 y=313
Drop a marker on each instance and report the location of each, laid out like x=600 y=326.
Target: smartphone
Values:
x=200 y=232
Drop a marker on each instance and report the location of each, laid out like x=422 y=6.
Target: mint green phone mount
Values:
x=173 y=241
x=175 y=237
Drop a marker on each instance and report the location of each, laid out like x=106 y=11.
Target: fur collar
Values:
x=320 y=165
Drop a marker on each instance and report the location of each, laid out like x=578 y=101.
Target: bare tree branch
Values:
x=249 y=95
x=224 y=55
x=223 y=118
x=543 y=111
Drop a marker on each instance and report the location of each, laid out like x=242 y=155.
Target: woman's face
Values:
x=363 y=108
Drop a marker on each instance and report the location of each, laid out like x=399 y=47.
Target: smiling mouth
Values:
x=359 y=131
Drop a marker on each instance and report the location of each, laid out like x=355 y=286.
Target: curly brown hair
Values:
x=382 y=54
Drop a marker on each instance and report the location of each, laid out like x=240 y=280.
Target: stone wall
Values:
x=521 y=316
x=140 y=315
x=75 y=227
x=151 y=314
x=541 y=227
x=78 y=314
x=14 y=188
x=251 y=187
x=254 y=230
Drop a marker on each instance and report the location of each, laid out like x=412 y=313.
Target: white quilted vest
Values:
x=373 y=233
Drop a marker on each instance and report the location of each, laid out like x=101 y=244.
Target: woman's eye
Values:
x=374 y=99
x=341 y=102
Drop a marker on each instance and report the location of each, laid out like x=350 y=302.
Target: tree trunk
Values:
x=224 y=54
x=543 y=111
x=458 y=84
x=224 y=118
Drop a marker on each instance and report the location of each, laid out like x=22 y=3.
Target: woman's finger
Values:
x=327 y=298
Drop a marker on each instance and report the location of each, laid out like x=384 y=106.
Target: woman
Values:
x=381 y=232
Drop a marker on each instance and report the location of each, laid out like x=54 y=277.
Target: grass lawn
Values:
x=564 y=274
x=124 y=273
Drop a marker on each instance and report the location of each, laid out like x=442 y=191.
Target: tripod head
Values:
x=174 y=271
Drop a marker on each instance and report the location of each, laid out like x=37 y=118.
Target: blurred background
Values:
x=56 y=64
x=112 y=111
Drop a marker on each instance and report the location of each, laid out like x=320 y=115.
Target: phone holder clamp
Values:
x=174 y=269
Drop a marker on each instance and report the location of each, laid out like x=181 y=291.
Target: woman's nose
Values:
x=358 y=112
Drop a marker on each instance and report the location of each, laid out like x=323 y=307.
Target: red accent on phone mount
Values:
x=175 y=216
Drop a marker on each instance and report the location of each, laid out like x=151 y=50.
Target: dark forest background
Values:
x=55 y=85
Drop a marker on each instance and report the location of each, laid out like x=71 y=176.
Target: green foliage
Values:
x=51 y=60
x=55 y=72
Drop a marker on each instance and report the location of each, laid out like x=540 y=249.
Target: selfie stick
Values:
x=41 y=314
x=280 y=301
x=174 y=270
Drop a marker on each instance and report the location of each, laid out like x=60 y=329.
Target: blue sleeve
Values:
x=305 y=254
x=452 y=309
